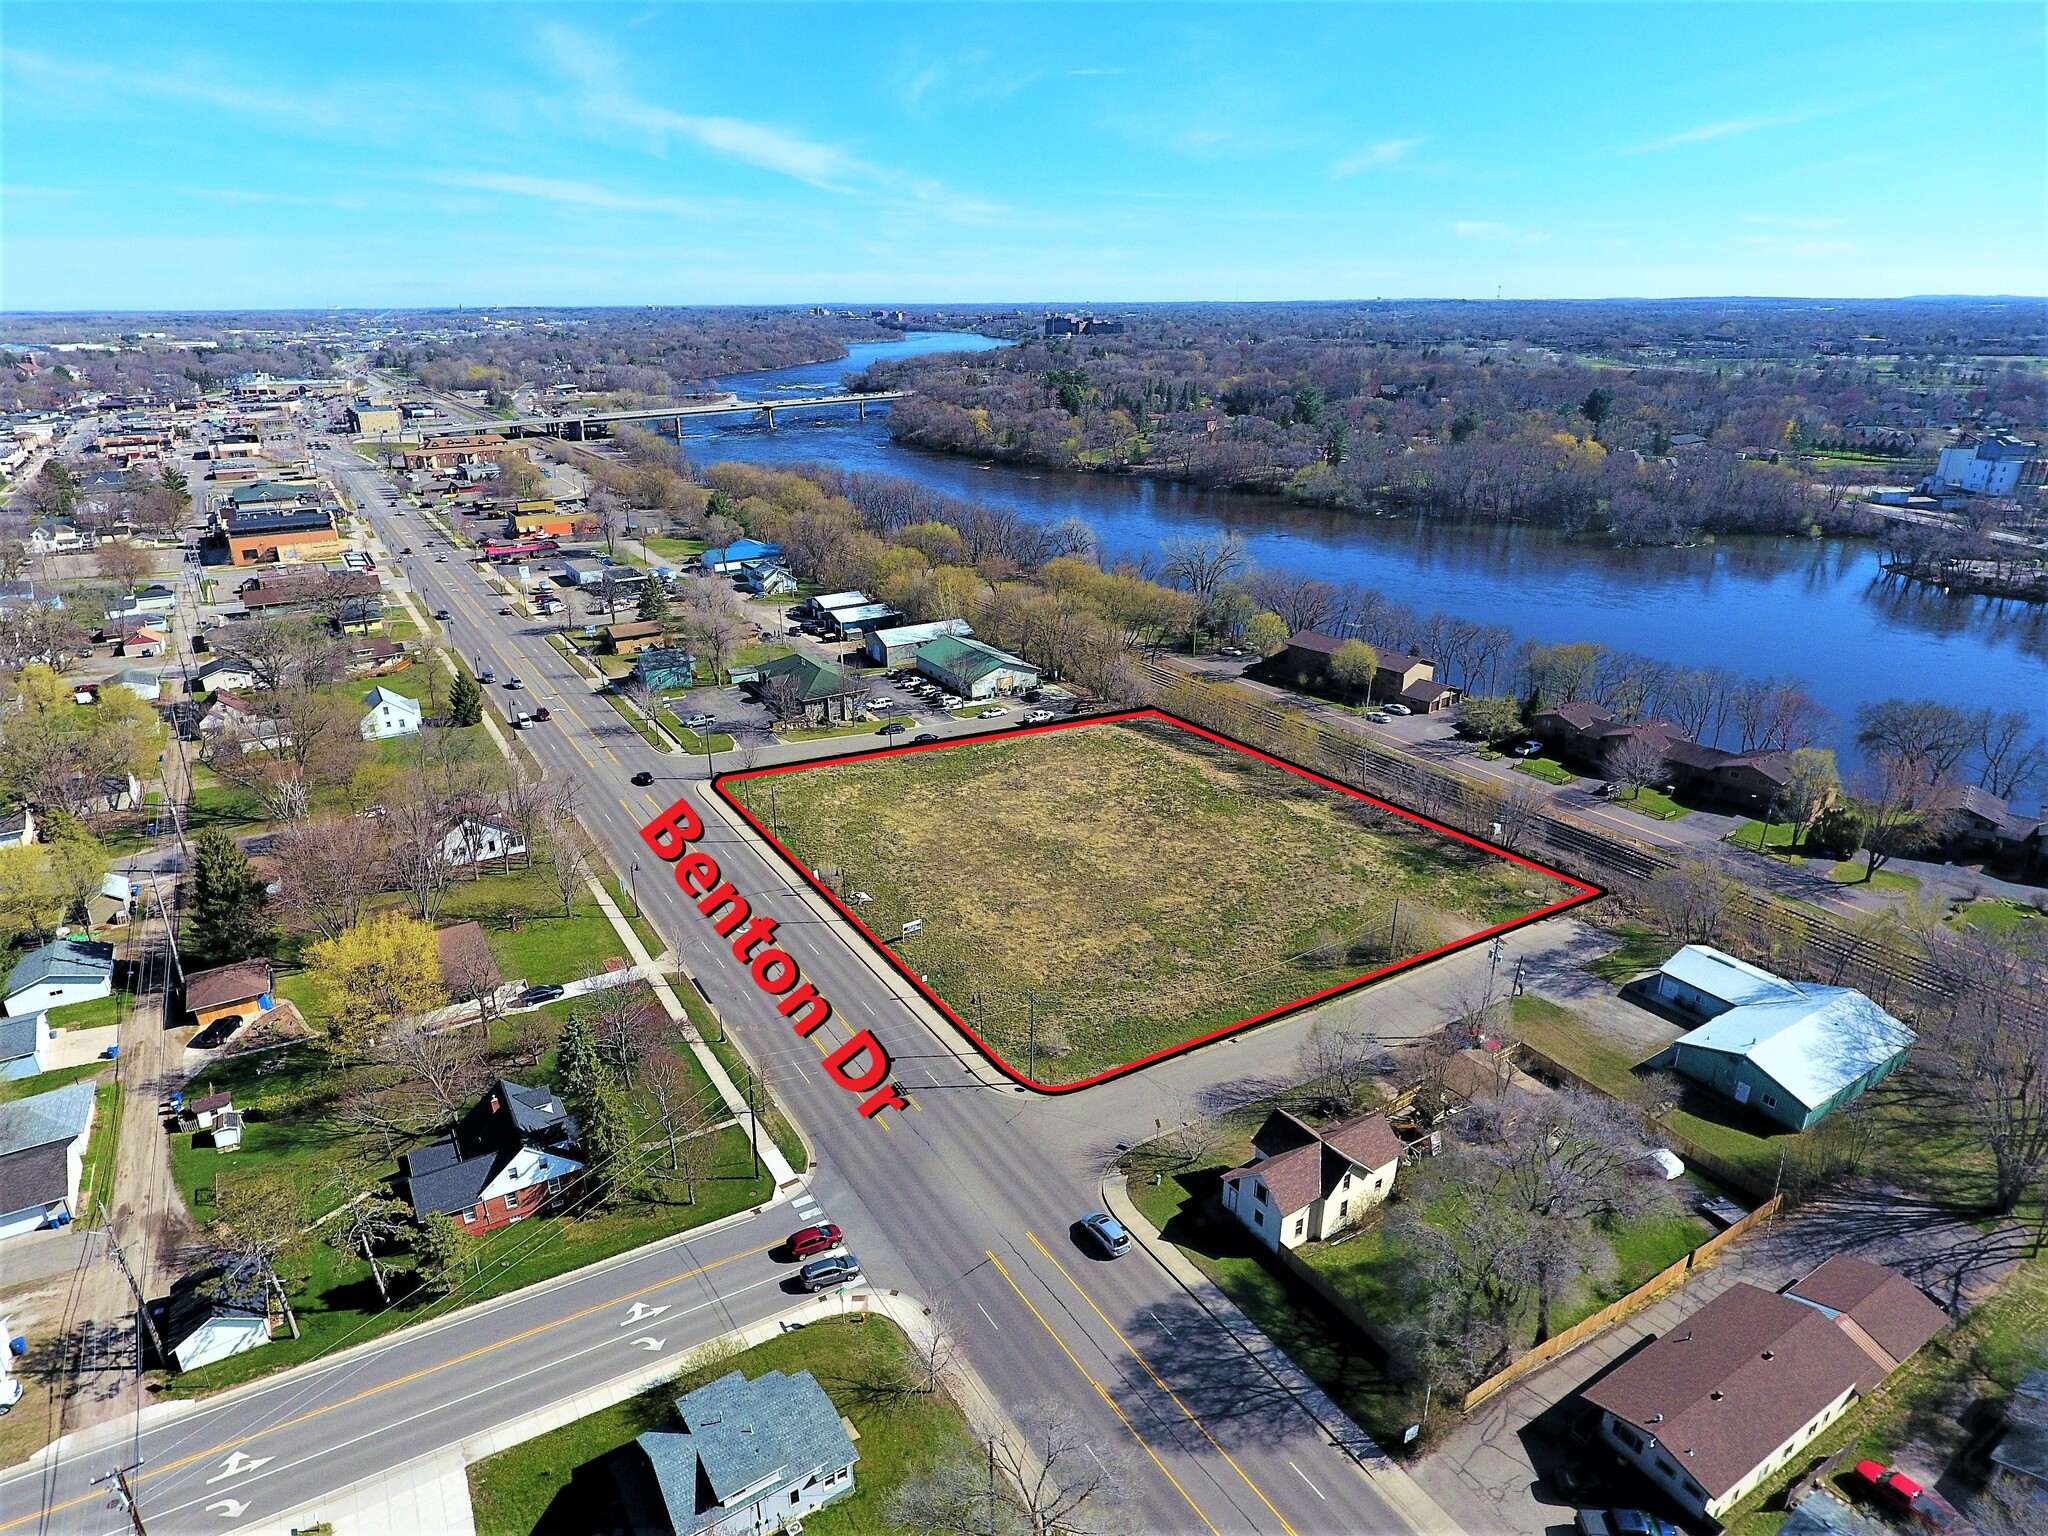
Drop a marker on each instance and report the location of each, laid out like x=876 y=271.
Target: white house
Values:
x=24 y=1045
x=42 y=1157
x=59 y=973
x=56 y=537
x=146 y=686
x=390 y=714
x=214 y=1313
x=18 y=828
x=1305 y=1186
x=477 y=841
x=227 y=672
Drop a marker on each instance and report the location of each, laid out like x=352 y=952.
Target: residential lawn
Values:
x=759 y=655
x=1336 y=1356
x=96 y=1183
x=773 y=1120
x=2001 y=916
x=1849 y=872
x=219 y=804
x=1981 y=1359
x=1642 y=949
x=689 y=740
x=1751 y=835
x=522 y=917
x=1546 y=770
x=337 y=1302
x=851 y=728
x=622 y=895
x=1645 y=801
x=558 y=1485
x=1115 y=888
x=12 y=1088
x=674 y=551
x=92 y=1015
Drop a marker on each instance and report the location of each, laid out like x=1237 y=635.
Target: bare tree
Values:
x=393 y=1116
x=1055 y=1484
x=1990 y=1058
x=1338 y=1067
x=328 y=870
x=667 y=1082
x=1517 y=812
x=565 y=853
x=784 y=698
x=1897 y=808
x=416 y=831
x=1638 y=762
x=448 y=1063
x=1689 y=901
x=2010 y=751
x=368 y=1224
x=620 y=1024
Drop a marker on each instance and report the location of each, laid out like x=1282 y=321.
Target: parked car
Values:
x=1905 y=1496
x=809 y=1242
x=643 y=778
x=534 y=996
x=1399 y=709
x=1527 y=749
x=1379 y=717
x=823 y=1274
x=1107 y=1233
x=700 y=721
x=1624 y=1522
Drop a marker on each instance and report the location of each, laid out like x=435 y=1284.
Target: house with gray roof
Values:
x=509 y=1158
x=898 y=647
x=42 y=1157
x=745 y=1456
x=24 y=1045
x=1793 y=1052
x=212 y=1313
x=57 y=974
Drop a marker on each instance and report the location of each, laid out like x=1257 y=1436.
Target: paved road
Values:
x=966 y=1200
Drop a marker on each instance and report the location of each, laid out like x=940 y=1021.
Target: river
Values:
x=1817 y=609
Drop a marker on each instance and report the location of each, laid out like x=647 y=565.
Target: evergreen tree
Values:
x=229 y=920
x=465 y=701
x=605 y=1134
x=579 y=1065
x=653 y=600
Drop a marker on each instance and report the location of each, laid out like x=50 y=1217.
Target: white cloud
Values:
x=1373 y=157
x=577 y=194
x=1727 y=128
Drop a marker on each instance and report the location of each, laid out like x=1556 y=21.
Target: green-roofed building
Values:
x=973 y=670
x=799 y=684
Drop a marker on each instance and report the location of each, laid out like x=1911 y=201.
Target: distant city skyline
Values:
x=305 y=156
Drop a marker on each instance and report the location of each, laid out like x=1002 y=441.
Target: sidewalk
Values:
x=1390 y=1481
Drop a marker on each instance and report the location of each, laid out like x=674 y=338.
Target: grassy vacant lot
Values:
x=1123 y=886
x=559 y=1484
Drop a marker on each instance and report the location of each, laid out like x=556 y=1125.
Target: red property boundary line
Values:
x=1585 y=891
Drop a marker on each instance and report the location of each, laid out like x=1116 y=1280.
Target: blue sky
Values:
x=300 y=155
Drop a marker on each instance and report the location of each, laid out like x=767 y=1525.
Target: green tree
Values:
x=1490 y=717
x=653 y=601
x=1336 y=443
x=229 y=916
x=1308 y=405
x=605 y=1130
x=56 y=489
x=1597 y=407
x=1463 y=425
x=1266 y=633
x=465 y=701
x=1811 y=786
x=440 y=1252
x=580 y=1068
x=1352 y=666
x=386 y=968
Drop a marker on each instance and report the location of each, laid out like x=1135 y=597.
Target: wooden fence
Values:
x=1341 y=1304
x=1652 y=1290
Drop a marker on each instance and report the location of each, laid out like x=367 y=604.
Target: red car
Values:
x=1904 y=1495
x=543 y=713
x=812 y=1241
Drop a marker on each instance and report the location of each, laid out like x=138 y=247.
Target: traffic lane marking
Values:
x=1160 y=1383
x=1114 y=1408
x=494 y=1388
x=400 y=1381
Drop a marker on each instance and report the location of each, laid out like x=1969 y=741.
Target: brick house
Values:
x=512 y=1156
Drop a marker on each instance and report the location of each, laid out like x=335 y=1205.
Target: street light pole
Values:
x=633 y=882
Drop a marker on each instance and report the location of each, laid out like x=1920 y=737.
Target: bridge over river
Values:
x=577 y=427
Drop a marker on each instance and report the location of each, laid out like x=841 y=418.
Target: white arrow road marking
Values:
x=228 y=1509
x=651 y=1345
x=640 y=1313
x=237 y=1463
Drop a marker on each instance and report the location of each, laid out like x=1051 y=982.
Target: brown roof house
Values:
x=1732 y=1393
x=1304 y=1185
x=240 y=992
x=1400 y=679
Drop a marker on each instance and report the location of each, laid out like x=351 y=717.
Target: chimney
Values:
x=494 y=1103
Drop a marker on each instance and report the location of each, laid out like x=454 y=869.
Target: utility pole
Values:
x=1031 y=1032
x=141 y=1301
x=753 y=1122
x=124 y=1497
